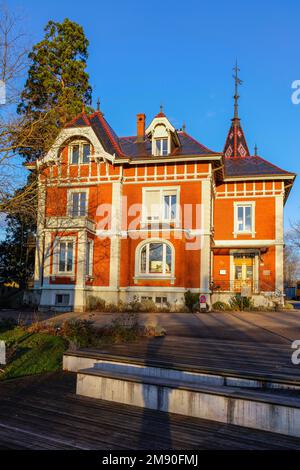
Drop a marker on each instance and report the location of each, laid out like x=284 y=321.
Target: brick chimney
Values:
x=140 y=127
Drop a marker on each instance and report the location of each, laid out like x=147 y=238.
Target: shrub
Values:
x=95 y=304
x=288 y=306
x=191 y=299
x=126 y=319
x=124 y=327
x=238 y=302
x=39 y=327
x=80 y=332
x=7 y=324
x=111 y=307
x=221 y=306
x=148 y=306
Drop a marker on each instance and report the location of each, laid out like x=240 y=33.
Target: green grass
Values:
x=34 y=353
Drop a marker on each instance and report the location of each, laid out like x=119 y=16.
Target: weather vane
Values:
x=237 y=82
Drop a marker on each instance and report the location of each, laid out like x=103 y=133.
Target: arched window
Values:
x=155 y=258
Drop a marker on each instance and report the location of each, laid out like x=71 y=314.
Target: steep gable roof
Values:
x=106 y=135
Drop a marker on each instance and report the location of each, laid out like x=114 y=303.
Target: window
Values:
x=170 y=201
x=62 y=299
x=75 y=154
x=160 y=205
x=78 y=204
x=86 y=151
x=161 y=147
x=64 y=257
x=161 y=300
x=244 y=218
x=79 y=153
x=156 y=259
x=89 y=258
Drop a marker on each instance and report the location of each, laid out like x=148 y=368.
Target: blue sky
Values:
x=181 y=54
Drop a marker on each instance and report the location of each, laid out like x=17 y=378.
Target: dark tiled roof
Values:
x=102 y=129
x=79 y=121
x=128 y=146
x=236 y=145
x=251 y=166
x=188 y=146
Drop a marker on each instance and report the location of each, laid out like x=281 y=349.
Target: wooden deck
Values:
x=43 y=412
x=256 y=360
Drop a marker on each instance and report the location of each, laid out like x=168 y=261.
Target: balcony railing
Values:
x=255 y=286
x=76 y=223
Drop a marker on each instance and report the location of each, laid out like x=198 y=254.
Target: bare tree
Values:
x=13 y=63
x=292 y=255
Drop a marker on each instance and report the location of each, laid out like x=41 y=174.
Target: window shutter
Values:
x=152 y=205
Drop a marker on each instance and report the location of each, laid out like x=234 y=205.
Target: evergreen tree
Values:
x=17 y=250
x=56 y=89
x=57 y=86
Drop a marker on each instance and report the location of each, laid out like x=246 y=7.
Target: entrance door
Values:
x=243 y=272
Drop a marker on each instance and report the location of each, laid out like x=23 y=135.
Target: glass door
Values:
x=243 y=272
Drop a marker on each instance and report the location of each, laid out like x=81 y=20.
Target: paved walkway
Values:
x=257 y=327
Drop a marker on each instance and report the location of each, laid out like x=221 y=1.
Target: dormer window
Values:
x=79 y=153
x=161 y=147
x=163 y=136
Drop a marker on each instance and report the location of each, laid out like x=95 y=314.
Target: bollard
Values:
x=2 y=353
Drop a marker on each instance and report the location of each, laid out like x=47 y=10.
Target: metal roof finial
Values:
x=98 y=104
x=237 y=82
x=255 y=150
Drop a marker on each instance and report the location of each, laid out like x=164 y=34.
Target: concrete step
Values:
x=74 y=361
x=249 y=407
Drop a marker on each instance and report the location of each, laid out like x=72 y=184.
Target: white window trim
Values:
x=237 y=232
x=79 y=142
x=138 y=251
x=55 y=266
x=159 y=154
x=161 y=219
x=91 y=264
x=70 y=202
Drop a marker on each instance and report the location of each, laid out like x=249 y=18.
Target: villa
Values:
x=153 y=215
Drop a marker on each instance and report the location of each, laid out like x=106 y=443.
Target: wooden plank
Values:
x=43 y=412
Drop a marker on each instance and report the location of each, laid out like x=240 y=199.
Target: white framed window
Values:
x=79 y=152
x=161 y=146
x=161 y=205
x=64 y=256
x=244 y=218
x=77 y=203
x=89 y=257
x=155 y=258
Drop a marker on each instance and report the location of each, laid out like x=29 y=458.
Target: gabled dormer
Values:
x=163 y=135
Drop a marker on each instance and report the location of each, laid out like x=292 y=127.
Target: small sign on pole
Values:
x=2 y=353
x=202 y=302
